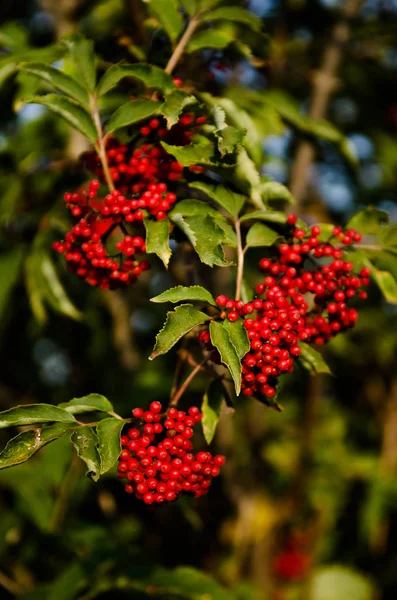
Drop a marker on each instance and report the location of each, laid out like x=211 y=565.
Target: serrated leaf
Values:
x=210 y=38
x=230 y=139
x=193 y=154
x=150 y=75
x=312 y=360
x=234 y=14
x=386 y=283
x=57 y=79
x=272 y=216
x=109 y=447
x=221 y=340
x=368 y=221
x=222 y=195
x=168 y=15
x=85 y=404
x=72 y=112
x=206 y=237
x=173 y=105
x=85 y=440
x=211 y=409
x=82 y=53
x=10 y=270
x=181 y=293
x=32 y=414
x=261 y=235
x=132 y=112
x=248 y=178
x=157 y=239
x=238 y=336
x=179 y=322
x=22 y=447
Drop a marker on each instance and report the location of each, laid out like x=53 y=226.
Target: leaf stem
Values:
x=240 y=259
x=177 y=54
x=100 y=144
x=177 y=396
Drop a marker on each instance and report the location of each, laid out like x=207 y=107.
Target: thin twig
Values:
x=179 y=50
x=100 y=145
x=240 y=259
x=177 y=396
x=65 y=493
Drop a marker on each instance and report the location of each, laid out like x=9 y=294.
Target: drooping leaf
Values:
x=108 y=432
x=56 y=79
x=150 y=75
x=34 y=413
x=272 y=216
x=85 y=404
x=179 y=322
x=132 y=112
x=368 y=221
x=238 y=337
x=85 y=440
x=272 y=191
x=157 y=238
x=261 y=235
x=222 y=195
x=386 y=283
x=168 y=15
x=22 y=447
x=10 y=270
x=234 y=14
x=72 y=112
x=182 y=293
x=193 y=154
x=221 y=340
x=211 y=409
x=174 y=104
x=55 y=293
x=82 y=53
x=312 y=360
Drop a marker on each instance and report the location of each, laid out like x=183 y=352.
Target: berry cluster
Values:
x=304 y=298
x=161 y=471
x=142 y=175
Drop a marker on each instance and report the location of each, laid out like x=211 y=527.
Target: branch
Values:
x=177 y=396
x=240 y=259
x=180 y=48
x=100 y=145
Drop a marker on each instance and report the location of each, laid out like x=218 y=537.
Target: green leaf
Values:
x=173 y=105
x=221 y=340
x=108 y=432
x=55 y=293
x=132 y=112
x=238 y=336
x=247 y=292
x=157 y=238
x=10 y=269
x=26 y=444
x=168 y=15
x=196 y=208
x=230 y=139
x=150 y=75
x=261 y=235
x=222 y=195
x=272 y=216
x=67 y=585
x=190 y=6
x=272 y=190
x=57 y=79
x=85 y=440
x=368 y=221
x=181 y=293
x=193 y=154
x=206 y=236
x=248 y=178
x=32 y=414
x=388 y=238
x=82 y=53
x=211 y=409
x=234 y=14
x=71 y=111
x=386 y=283
x=210 y=38
x=333 y=582
x=179 y=322
x=312 y=360
x=188 y=583
x=85 y=404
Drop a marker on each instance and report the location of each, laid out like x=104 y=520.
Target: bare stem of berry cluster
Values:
x=100 y=144
x=240 y=259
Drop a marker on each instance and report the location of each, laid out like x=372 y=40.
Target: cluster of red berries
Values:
x=161 y=471
x=276 y=323
x=140 y=174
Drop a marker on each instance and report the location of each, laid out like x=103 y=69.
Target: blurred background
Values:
x=306 y=508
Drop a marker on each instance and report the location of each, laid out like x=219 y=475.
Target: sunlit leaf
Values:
x=182 y=293
x=221 y=340
x=22 y=447
x=85 y=404
x=157 y=239
x=132 y=112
